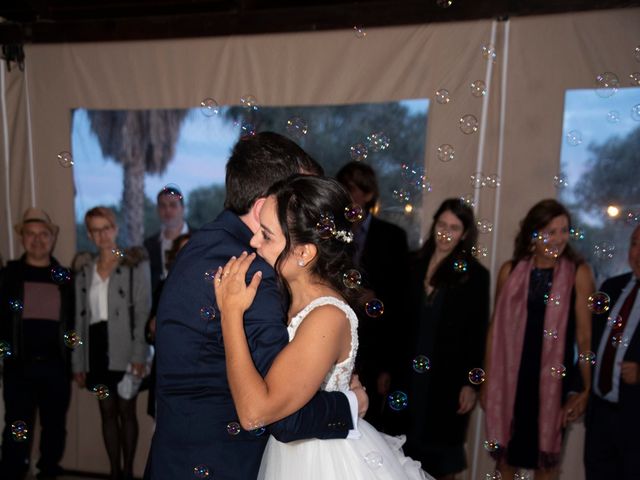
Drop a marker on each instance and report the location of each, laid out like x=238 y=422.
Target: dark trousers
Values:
x=45 y=387
x=612 y=448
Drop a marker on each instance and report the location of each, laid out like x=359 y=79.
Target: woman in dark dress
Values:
x=451 y=293
x=541 y=311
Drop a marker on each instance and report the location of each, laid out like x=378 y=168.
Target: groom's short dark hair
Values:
x=257 y=162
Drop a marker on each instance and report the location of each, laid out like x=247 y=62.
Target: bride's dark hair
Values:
x=302 y=202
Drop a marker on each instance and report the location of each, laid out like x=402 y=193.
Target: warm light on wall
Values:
x=408 y=208
x=613 y=211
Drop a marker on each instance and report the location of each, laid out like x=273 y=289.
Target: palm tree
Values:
x=143 y=141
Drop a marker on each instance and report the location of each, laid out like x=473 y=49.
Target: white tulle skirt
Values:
x=374 y=456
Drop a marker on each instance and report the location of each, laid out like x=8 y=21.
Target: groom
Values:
x=197 y=431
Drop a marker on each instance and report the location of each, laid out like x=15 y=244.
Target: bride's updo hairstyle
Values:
x=311 y=210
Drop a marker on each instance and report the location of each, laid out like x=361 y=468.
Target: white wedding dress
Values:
x=373 y=456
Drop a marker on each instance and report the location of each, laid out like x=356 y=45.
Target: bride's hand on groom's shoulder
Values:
x=231 y=289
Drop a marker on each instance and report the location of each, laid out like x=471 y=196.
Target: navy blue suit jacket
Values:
x=194 y=404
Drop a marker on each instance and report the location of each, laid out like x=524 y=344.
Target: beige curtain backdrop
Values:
x=546 y=56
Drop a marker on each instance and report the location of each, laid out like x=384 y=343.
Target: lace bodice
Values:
x=339 y=376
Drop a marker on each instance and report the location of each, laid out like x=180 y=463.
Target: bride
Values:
x=306 y=237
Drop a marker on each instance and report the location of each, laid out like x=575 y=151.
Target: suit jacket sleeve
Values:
x=327 y=415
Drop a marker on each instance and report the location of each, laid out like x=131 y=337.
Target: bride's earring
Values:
x=301 y=263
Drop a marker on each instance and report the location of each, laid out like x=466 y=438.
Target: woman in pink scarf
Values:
x=541 y=312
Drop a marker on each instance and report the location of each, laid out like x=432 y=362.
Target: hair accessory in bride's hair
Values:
x=344 y=236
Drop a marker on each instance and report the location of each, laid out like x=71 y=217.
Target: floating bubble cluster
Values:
x=551 y=251
x=72 y=339
x=358 y=152
x=607 y=84
x=468 y=200
x=550 y=334
x=402 y=195
x=444 y=3
x=613 y=116
x=620 y=341
x=15 y=305
x=65 y=159
x=442 y=96
x=446 y=152
x=477 y=180
x=297 y=127
x=201 y=471
x=374 y=460
x=560 y=181
x=118 y=252
x=326 y=227
x=421 y=364
x=207 y=313
x=100 y=391
x=5 y=349
x=576 y=234
x=615 y=322
x=398 y=400
x=558 y=371
x=478 y=88
x=496 y=475
x=353 y=213
x=484 y=226
x=60 y=275
x=460 y=266
x=359 y=31
x=477 y=376
x=587 y=357
x=522 y=475
x=374 y=308
x=492 y=181
x=233 y=428
x=635 y=113
x=604 y=250
x=351 y=278
x=209 y=276
x=598 y=302
x=415 y=178
x=574 y=138
x=378 y=141
x=249 y=102
x=491 y=445
x=634 y=79
x=468 y=124
x=489 y=52
x=552 y=299
x=444 y=236
x=209 y=107
x=479 y=251
x=19 y=431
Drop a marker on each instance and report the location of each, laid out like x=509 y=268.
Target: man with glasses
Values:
x=36 y=311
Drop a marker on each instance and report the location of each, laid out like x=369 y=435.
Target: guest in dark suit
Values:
x=382 y=258
x=170 y=207
x=197 y=427
x=450 y=317
x=612 y=444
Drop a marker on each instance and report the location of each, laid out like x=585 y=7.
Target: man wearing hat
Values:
x=36 y=311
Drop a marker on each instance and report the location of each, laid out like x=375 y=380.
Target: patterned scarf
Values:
x=510 y=320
